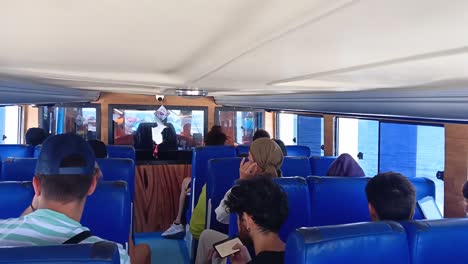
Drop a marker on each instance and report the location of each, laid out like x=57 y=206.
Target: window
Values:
x=190 y=123
x=360 y=139
x=239 y=125
x=302 y=130
x=82 y=119
x=10 y=124
x=411 y=149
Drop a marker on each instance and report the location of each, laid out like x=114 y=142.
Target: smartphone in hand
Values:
x=224 y=247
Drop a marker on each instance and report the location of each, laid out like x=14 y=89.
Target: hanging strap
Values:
x=78 y=238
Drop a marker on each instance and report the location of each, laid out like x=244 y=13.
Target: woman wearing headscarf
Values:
x=345 y=166
x=265 y=160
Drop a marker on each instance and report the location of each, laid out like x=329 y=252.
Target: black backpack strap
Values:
x=78 y=238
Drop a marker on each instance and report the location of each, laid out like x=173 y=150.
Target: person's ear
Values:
x=93 y=185
x=249 y=222
x=37 y=186
x=373 y=214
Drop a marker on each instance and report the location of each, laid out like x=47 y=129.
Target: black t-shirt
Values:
x=269 y=257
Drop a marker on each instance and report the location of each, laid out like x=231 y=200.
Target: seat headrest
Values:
x=298 y=151
x=373 y=242
x=295 y=166
x=437 y=241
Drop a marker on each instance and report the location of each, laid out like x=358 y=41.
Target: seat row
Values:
x=415 y=242
x=318 y=201
x=26 y=151
x=107 y=212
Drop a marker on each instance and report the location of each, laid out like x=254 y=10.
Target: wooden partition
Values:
x=157 y=190
x=456 y=168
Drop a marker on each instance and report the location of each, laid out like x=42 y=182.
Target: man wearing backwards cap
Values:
x=64 y=177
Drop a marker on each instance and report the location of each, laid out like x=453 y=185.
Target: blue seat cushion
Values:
x=295 y=166
x=15 y=197
x=319 y=165
x=18 y=169
x=298 y=151
x=100 y=252
x=121 y=151
x=374 y=242
x=118 y=169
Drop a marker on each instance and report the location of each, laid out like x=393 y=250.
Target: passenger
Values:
x=282 y=146
x=261 y=207
x=99 y=148
x=215 y=137
x=345 y=166
x=169 y=137
x=265 y=159
x=391 y=196
x=186 y=131
x=64 y=177
x=260 y=133
x=465 y=195
x=35 y=136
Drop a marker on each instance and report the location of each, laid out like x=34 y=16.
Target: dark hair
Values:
x=262 y=199
x=35 y=136
x=392 y=195
x=66 y=188
x=465 y=190
x=143 y=137
x=169 y=134
x=282 y=146
x=260 y=133
x=215 y=137
x=99 y=148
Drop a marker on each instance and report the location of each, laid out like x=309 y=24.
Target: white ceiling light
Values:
x=191 y=92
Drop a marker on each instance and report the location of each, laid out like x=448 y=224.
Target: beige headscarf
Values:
x=268 y=156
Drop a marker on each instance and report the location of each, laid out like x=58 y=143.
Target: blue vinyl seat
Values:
x=18 y=169
x=295 y=166
x=375 y=242
x=15 y=197
x=222 y=175
x=107 y=212
x=298 y=151
x=242 y=149
x=437 y=241
x=121 y=151
x=119 y=169
x=97 y=253
x=319 y=165
x=15 y=151
x=201 y=156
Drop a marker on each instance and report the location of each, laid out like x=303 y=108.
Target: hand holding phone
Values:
x=225 y=247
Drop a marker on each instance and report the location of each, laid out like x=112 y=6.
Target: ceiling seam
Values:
x=330 y=11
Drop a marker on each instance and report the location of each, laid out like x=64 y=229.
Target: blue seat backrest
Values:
x=37 y=150
x=424 y=187
x=298 y=151
x=107 y=212
x=221 y=177
x=242 y=149
x=15 y=151
x=374 y=242
x=298 y=205
x=18 y=169
x=15 y=197
x=319 y=165
x=295 y=166
x=338 y=200
x=201 y=155
x=100 y=252
x=117 y=169
x=121 y=151
x=438 y=241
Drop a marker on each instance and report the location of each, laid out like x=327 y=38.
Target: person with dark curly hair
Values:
x=262 y=207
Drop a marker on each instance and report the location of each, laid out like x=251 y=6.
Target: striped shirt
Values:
x=45 y=227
